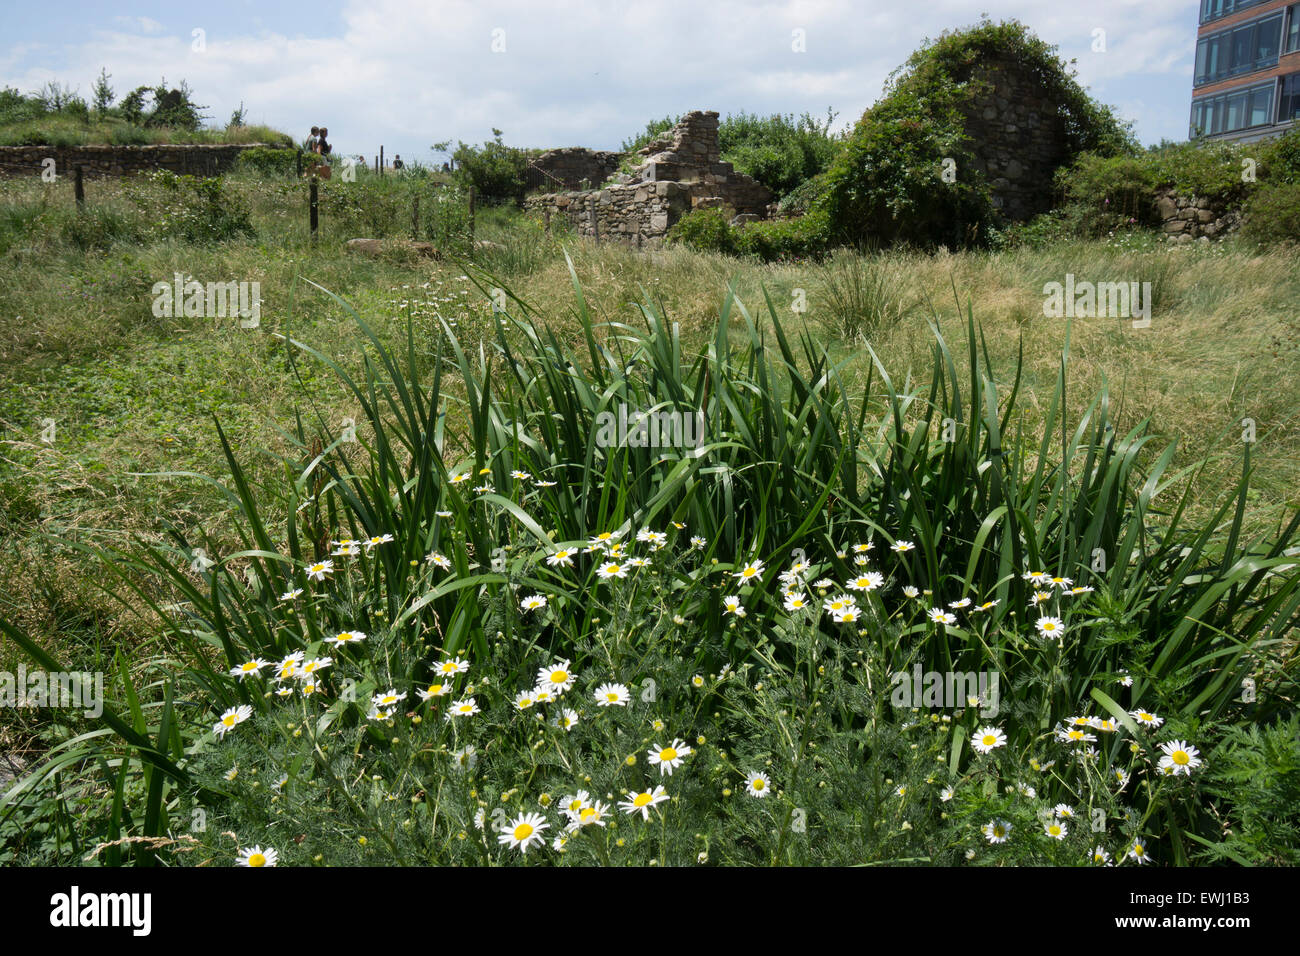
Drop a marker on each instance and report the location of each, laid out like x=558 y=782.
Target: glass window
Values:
x=1243 y=109
x=1289 y=106
x=1267 y=34
x=1292 y=42
x=1261 y=107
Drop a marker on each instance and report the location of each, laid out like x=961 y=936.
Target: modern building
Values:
x=1247 y=81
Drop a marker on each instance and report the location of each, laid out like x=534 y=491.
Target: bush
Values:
x=271 y=162
x=706 y=230
x=1272 y=214
x=781 y=152
x=784 y=239
x=496 y=171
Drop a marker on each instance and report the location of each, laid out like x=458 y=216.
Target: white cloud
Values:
x=590 y=72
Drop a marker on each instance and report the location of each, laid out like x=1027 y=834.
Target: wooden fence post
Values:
x=79 y=191
x=312 y=209
x=381 y=160
x=415 y=217
x=298 y=163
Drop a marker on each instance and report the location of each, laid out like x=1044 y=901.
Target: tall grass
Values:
x=792 y=462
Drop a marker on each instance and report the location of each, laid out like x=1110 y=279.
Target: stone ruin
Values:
x=680 y=171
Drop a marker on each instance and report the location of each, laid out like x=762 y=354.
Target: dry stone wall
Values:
x=680 y=171
x=573 y=164
x=100 y=161
x=1185 y=218
x=1018 y=138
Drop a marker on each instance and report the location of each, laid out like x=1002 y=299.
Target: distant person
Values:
x=397 y=162
x=312 y=142
x=323 y=145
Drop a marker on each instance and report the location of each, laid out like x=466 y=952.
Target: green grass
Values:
x=1130 y=443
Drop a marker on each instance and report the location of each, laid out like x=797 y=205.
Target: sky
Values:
x=407 y=75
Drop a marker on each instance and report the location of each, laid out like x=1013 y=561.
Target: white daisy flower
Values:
x=987 y=738
x=562 y=557
x=1050 y=627
x=232 y=719
x=612 y=695
x=669 y=758
x=346 y=637
x=525 y=830
x=317 y=571
x=249 y=667
x=1180 y=757
x=257 y=856
x=451 y=666
x=642 y=802
x=1146 y=718
x=388 y=698
x=1056 y=829
x=532 y=602
x=757 y=784
x=997 y=831
x=463 y=708
x=434 y=690
x=557 y=678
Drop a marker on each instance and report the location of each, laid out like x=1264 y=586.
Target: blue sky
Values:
x=566 y=72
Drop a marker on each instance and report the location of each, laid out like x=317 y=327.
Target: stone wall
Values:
x=573 y=164
x=680 y=171
x=1018 y=138
x=1185 y=218
x=635 y=212
x=97 y=161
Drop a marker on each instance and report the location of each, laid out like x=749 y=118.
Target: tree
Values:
x=496 y=171
x=103 y=93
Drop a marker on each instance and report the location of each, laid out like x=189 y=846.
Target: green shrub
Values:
x=783 y=239
x=781 y=152
x=496 y=171
x=271 y=162
x=1280 y=158
x=707 y=230
x=1272 y=214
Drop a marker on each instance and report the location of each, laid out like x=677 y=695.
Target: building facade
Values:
x=1247 y=79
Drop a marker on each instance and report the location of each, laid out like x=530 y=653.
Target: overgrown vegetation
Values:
x=57 y=116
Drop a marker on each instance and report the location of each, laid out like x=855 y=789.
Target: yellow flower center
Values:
x=230 y=720
x=758 y=783
x=641 y=800
x=257 y=859
x=588 y=813
x=989 y=740
x=523 y=831
x=668 y=753
x=611 y=696
x=559 y=677
x=1180 y=757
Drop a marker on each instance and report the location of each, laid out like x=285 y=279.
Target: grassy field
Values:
x=132 y=395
